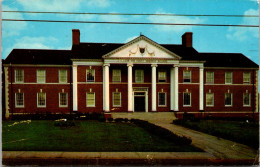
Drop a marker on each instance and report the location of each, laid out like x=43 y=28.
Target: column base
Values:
x=130 y=111
x=153 y=111
x=107 y=115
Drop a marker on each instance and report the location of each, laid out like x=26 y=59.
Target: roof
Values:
x=39 y=56
x=227 y=60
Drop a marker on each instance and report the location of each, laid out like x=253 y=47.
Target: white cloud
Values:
x=11 y=28
x=173 y=19
x=245 y=33
x=130 y=39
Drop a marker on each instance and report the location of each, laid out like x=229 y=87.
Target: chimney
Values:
x=187 y=39
x=75 y=36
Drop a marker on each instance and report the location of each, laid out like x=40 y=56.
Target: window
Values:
x=90 y=75
x=228 y=99
x=162 y=76
x=246 y=77
x=116 y=75
x=162 y=99
x=246 y=99
x=209 y=77
x=63 y=98
x=40 y=76
x=116 y=99
x=19 y=100
x=209 y=99
x=187 y=99
x=90 y=99
x=41 y=99
x=63 y=76
x=139 y=76
x=18 y=76
x=228 y=77
x=186 y=76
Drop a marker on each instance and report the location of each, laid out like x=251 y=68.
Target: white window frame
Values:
x=119 y=99
x=60 y=105
x=93 y=105
x=227 y=105
x=15 y=76
x=247 y=105
x=165 y=100
x=226 y=78
x=142 y=76
x=189 y=71
x=209 y=80
x=60 y=80
x=185 y=105
x=246 y=82
x=165 y=76
x=94 y=73
x=41 y=106
x=16 y=105
x=210 y=105
x=37 y=75
x=113 y=75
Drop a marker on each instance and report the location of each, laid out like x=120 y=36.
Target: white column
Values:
x=154 y=87
x=130 y=88
x=172 y=89
x=103 y=88
x=201 y=89
x=176 y=88
x=75 y=87
x=106 y=85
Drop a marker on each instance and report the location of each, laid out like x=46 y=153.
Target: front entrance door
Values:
x=139 y=101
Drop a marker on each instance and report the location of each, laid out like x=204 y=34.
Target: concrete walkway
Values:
x=215 y=146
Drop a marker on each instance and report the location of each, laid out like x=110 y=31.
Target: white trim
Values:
x=119 y=99
x=245 y=105
x=88 y=63
x=60 y=76
x=190 y=100
x=37 y=79
x=231 y=100
x=35 y=65
x=33 y=83
x=211 y=105
x=93 y=76
x=231 y=84
x=145 y=90
x=6 y=92
x=172 y=98
x=19 y=106
x=187 y=83
x=191 y=64
x=63 y=106
x=226 y=77
x=41 y=106
x=232 y=68
x=15 y=73
x=140 y=61
x=94 y=105
x=165 y=100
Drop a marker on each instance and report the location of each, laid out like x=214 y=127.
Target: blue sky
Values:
x=205 y=39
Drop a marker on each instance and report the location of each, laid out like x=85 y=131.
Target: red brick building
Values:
x=138 y=76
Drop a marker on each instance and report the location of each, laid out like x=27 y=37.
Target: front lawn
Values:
x=85 y=136
x=239 y=131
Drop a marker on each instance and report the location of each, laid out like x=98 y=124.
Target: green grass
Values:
x=238 y=131
x=85 y=136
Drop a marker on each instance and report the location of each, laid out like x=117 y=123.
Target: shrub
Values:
x=110 y=119
x=101 y=118
x=64 y=124
x=119 y=119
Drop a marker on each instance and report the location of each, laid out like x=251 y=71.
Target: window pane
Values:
x=186 y=99
x=246 y=77
x=19 y=100
x=41 y=99
x=90 y=75
x=117 y=99
x=19 y=76
x=116 y=76
x=63 y=99
x=162 y=99
x=209 y=99
x=41 y=76
x=209 y=77
x=228 y=77
x=246 y=99
x=162 y=76
x=186 y=76
x=90 y=99
x=139 y=76
x=228 y=99
x=63 y=76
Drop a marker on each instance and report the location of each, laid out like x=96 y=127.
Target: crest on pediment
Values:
x=141 y=51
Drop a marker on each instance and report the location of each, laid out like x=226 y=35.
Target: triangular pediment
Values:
x=142 y=47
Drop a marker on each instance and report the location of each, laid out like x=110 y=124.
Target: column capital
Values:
x=74 y=65
x=106 y=64
x=130 y=65
x=176 y=65
x=154 y=65
x=201 y=67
